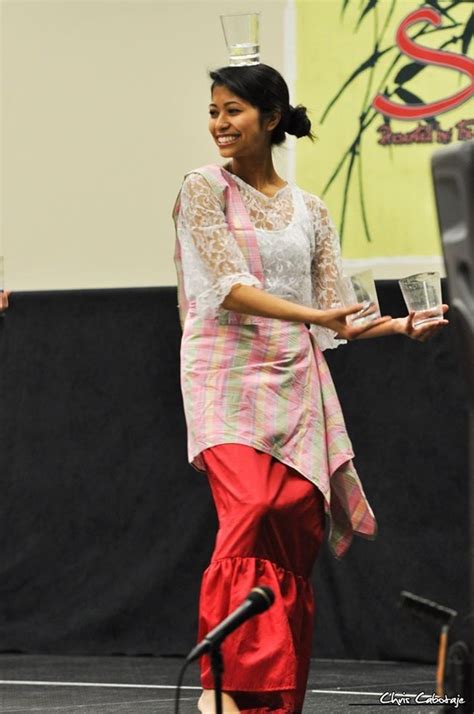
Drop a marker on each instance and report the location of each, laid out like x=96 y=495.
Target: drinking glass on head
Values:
x=241 y=36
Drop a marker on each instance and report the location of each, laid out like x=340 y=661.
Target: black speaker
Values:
x=453 y=176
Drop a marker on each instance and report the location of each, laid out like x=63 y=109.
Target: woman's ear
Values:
x=273 y=121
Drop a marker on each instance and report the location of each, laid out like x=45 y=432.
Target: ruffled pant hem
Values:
x=266 y=643
x=271 y=526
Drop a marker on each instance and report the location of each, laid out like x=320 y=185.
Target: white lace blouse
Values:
x=298 y=244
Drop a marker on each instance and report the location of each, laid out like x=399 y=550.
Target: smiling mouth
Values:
x=227 y=139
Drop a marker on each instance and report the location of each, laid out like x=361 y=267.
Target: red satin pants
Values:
x=271 y=526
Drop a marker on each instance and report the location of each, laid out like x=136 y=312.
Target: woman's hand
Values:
x=3 y=300
x=404 y=326
x=335 y=319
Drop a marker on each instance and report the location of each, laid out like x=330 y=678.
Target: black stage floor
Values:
x=142 y=685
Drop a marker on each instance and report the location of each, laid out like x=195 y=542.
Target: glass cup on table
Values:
x=422 y=294
x=360 y=288
x=241 y=36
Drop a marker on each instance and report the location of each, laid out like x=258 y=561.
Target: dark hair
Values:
x=264 y=88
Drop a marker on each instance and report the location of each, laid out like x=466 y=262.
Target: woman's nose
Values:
x=222 y=122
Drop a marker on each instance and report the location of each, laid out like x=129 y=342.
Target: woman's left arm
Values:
x=327 y=280
x=404 y=326
x=326 y=269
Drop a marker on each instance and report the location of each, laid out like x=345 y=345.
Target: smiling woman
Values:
x=262 y=95
x=258 y=264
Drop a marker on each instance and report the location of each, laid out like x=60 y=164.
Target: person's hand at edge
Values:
x=4 y=295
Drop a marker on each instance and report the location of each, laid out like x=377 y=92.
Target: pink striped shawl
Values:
x=265 y=383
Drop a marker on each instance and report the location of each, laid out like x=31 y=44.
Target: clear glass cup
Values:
x=422 y=293
x=360 y=288
x=241 y=36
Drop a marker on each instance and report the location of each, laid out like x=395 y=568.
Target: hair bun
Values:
x=298 y=122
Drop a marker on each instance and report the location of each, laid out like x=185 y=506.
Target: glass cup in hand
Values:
x=422 y=294
x=360 y=288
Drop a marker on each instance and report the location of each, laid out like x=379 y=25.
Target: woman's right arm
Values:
x=212 y=260
x=253 y=301
x=215 y=255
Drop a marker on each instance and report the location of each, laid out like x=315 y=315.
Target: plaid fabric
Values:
x=265 y=383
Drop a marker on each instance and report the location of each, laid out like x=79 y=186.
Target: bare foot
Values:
x=206 y=703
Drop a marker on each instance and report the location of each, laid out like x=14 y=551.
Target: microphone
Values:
x=258 y=600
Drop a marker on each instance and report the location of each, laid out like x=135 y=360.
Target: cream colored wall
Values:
x=104 y=108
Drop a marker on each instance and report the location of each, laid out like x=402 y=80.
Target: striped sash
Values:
x=225 y=188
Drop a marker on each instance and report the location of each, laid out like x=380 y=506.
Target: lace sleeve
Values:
x=326 y=269
x=215 y=255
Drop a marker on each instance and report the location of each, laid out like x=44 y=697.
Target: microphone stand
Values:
x=217 y=666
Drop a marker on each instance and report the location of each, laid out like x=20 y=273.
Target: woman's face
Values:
x=235 y=125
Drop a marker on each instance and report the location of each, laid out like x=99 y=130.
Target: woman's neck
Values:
x=257 y=172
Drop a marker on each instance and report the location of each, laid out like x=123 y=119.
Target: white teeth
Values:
x=226 y=139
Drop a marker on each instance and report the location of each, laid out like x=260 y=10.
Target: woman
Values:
x=259 y=273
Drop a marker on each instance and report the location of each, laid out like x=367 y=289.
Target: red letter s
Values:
x=426 y=56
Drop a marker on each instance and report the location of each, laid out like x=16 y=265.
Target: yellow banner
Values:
x=387 y=83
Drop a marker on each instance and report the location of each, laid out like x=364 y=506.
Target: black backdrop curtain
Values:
x=105 y=528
